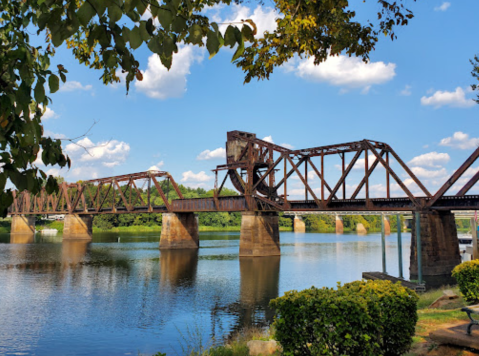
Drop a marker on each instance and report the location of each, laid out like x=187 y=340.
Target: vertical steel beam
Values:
x=388 y=193
x=475 y=254
x=383 y=244
x=366 y=169
x=398 y=217
x=322 y=177
x=285 y=181
x=343 y=167
x=306 y=180
x=418 y=247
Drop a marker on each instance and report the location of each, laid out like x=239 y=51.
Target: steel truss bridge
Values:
x=261 y=173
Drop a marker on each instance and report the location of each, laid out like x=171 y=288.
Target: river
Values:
x=120 y=295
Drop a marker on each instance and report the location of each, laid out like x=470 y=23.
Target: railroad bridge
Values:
x=262 y=172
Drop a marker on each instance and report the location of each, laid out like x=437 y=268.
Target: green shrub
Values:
x=467 y=277
x=359 y=318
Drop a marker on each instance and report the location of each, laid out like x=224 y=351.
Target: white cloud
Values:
x=443 y=7
x=456 y=99
x=421 y=172
x=161 y=83
x=56 y=136
x=406 y=91
x=47 y=114
x=74 y=86
x=157 y=166
x=268 y=139
x=109 y=153
x=264 y=18
x=431 y=159
x=218 y=153
x=197 y=179
x=460 y=140
x=347 y=72
x=287 y=145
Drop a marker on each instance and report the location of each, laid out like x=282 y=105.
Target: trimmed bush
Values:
x=467 y=277
x=359 y=318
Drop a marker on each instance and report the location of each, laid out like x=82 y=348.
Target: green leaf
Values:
x=179 y=24
x=173 y=5
x=63 y=77
x=85 y=13
x=247 y=33
x=166 y=18
x=39 y=92
x=53 y=83
x=135 y=38
x=230 y=37
x=145 y=36
x=212 y=43
x=114 y=12
x=196 y=34
x=169 y=46
x=154 y=45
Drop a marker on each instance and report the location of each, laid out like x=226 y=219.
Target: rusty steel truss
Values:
x=259 y=171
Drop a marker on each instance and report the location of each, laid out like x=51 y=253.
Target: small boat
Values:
x=465 y=241
x=49 y=231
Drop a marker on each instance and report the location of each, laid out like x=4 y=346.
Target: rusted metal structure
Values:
x=259 y=170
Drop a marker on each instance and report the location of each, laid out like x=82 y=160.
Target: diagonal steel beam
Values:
x=318 y=203
x=457 y=174
x=468 y=185
x=321 y=177
x=371 y=169
x=394 y=175
x=300 y=162
x=163 y=196
x=343 y=177
x=411 y=174
x=263 y=177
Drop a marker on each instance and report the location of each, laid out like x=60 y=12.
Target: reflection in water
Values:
x=128 y=297
x=22 y=238
x=178 y=267
x=74 y=252
x=259 y=284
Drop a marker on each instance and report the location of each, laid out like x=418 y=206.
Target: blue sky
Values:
x=414 y=95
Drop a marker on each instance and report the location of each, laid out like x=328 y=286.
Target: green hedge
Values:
x=467 y=276
x=359 y=318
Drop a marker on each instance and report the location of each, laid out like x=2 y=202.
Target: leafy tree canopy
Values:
x=104 y=34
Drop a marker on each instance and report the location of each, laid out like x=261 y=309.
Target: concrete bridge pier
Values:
x=259 y=234
x=77 y=227
x=439 y=248
x=387 y=225
x=339 y=225
x=22 y=224
x=298 y=224
x=179 y=231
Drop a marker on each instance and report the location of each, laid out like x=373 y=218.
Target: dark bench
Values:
x=473 y=309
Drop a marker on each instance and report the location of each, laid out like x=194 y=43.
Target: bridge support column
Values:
x=298 y=224
x=387 y=225
x=439 y=248
x=259 y=234
x=361 y=230
x=22 y=224
x=77 y=227
x=179 y=230
x=339 y=225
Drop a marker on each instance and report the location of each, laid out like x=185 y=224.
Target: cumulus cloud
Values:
x=346 y=72
x=195 y=180
x=218 y=153
x=47 y=114
x=157 y=166
x=264 y=18
x=460 y=140
x=161 y=83
x=421 y=172
x=443 y=7
x=109 y=154
x=287 y=145
x=74 y=86
x=455 y=99
x=406 y=91
x=54 y=135
x=268 y=139
x=431 y=159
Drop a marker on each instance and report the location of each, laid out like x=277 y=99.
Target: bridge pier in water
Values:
x=298 y=224
x=78 y=227
x=439 y=248
x=179 y=231
x=22 y=224
x=259 y=234
x=339 y=225
x=387 y=225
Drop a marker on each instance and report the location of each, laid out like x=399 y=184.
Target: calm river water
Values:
x=121 y=296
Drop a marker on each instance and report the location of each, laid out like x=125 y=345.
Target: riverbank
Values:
x=428 y=321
